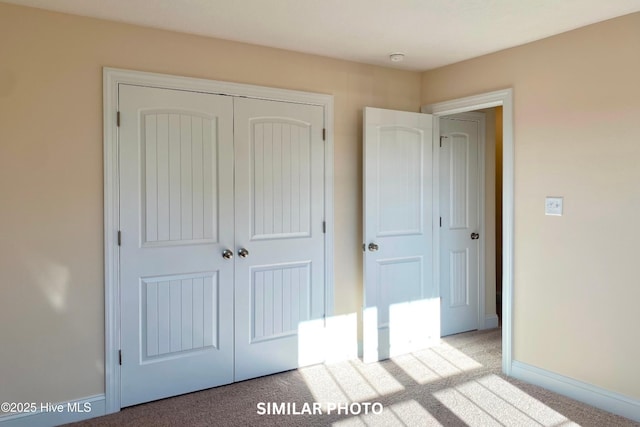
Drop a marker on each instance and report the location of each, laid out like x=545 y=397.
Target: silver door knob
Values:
x=227 y=254
x=475 y=236
x=373 y=247
x=243 y=253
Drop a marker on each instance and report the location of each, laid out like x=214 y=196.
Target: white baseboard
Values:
x=490 y=321
x=58 y=413
x=587 y=393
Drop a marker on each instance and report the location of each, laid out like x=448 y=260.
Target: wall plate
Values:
x=553 y=206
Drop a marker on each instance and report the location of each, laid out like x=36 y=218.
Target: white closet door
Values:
x=176 y=216
x=401 y=303
x=279 y=205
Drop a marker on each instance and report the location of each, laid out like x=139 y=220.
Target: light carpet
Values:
x=457 y=383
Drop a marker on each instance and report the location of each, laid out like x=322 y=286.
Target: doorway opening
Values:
x=504 y=99
x=470 y=182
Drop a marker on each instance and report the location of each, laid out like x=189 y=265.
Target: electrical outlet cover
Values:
x=553 y=206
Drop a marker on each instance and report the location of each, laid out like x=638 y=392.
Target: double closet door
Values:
x=222 y=244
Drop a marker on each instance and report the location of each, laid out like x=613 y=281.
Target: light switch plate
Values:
x=553 y=206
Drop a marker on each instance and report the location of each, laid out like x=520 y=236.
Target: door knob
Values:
x=227 y=254
x=373 y=247
x=475 y=236
x=243 y=253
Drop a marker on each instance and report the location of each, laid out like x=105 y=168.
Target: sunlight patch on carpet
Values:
x=416 y=369
x=354 y=385
x=322 y=385
x=378 y=377
x=435 y=363
x=484 y=401
x=350 y=381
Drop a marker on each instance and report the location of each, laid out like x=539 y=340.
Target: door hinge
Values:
x=440 y=221
x=120 y=357
x=441 y=137
x=324 y=226
x=119 y=238
x=118 y=119
x=324 y=134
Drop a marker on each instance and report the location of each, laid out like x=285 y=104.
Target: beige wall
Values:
x=577 y=121
x=51 y=186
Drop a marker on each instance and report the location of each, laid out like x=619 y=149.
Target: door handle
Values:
x=227 y=254
x=243 y=253
x=475 y=236
x=373 y=247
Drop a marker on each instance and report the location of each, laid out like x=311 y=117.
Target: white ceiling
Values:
x=431 y=33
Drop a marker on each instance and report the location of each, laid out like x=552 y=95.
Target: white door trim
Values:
x=111 y=79
x=502 y=98
x=479 y=118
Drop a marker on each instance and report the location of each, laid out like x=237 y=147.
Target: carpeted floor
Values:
x=457 y=383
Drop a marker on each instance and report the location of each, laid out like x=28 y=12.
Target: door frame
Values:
x=112 y=77
x=498 y=98
x=480 y=119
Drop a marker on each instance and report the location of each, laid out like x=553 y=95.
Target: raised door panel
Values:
x=178 y=314
x=280 y=300
x=281 y=179
x=459 y=181
x=459 y=278
x=179 y=178
x=400 y=183
x=398 y=280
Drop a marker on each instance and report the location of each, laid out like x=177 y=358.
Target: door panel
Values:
x=176 y=188
x=279 y=300
x=458 y=176
x=280 y=156
x=399 y=179
x=279 y=221
x=178 y=178
x=179 y=314
x=459 y=207
x=401 y=305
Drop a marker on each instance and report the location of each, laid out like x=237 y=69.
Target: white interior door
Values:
x=401 y=302
x=280 y=290
x=176 y=216
x=460 y=233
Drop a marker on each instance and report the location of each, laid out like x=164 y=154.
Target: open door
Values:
x=401 y=299
x=460 y=232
